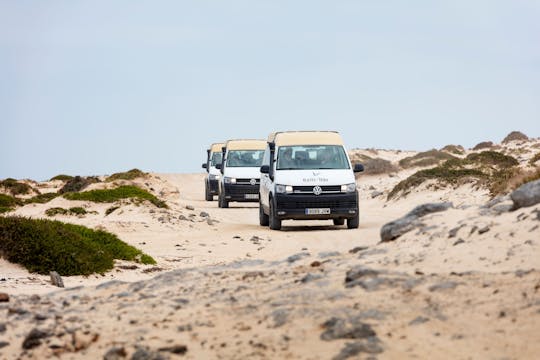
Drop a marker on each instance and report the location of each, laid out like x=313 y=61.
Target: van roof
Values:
x=305 y=138
x=246 y=144
x=216 y=147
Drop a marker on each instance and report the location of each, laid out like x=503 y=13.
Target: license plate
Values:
x=251 y=196
x=322 y=211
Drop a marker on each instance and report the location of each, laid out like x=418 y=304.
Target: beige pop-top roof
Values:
x=306 y=138
x=246 y=144
x=216 y=147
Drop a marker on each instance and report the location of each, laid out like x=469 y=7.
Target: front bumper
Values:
x=295 y=206
x=242 y=192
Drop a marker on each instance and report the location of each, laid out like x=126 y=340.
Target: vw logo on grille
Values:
x=252 y=181
x=317 y=190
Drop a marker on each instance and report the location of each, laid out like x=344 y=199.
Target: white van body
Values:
x=316 y=182
x=240 y=171
x=211 y=181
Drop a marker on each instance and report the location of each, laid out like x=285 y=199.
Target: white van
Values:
x=240 y=169
x=307 y=175
x=213 y=157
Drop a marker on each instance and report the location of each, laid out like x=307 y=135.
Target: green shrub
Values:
x=127 y=175
x=111 y=210
x=426 y=158
x=56 y=211
x=112 y=195
x=77 y=211
x=41 y=198
x=454 y=149
x=489 y=169
x=77 y=184
x=515 y=136
x=44 y=245
x=483 y=145
x=62 y=177
x=7 y=203
x=15 y=187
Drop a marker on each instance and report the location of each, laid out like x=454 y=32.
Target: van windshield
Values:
x=245 y=158
x=215 y=158
x=312 y=157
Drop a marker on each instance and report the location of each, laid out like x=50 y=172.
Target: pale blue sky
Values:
x=95 y=87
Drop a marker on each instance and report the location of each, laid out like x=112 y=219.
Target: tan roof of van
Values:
x=306 y=138
x=246 y=144
x=216 y=147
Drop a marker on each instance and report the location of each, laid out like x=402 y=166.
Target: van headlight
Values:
x=214 y=177
x=229 y=180
x=282 y=189
x=348 y=188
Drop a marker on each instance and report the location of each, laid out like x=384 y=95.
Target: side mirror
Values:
x=218 y=166
x=265 y=169
x=205 y=166
x=358 y=168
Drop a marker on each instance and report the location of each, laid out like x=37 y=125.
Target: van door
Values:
x=266 y=182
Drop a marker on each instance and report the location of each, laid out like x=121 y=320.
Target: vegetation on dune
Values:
x=78 y=183
x=41 y=198
x=515 y=136
x=61 y=177
x=111 y=210
x=44 y=245
x=373 y=166
x=8 y=203
x=127 y=175
x=535 y=159
x=426 y=158
x=15 y=187
x=112 y=195
x=454 y=149
x=483 y=145
x=71 y=211
x=489 y=169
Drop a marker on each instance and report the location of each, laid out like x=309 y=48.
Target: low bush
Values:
x=454 y=149
x=119 y=193
x=56 y=211
x=44 y=245
x=535 y=159
x=127 y=175
x=41 y=198
x=61 y=177
x=71 y=211
x=515 y=136
x=483 y=145
x=15 y=187
x=8 y=203
x=111 y=210
x=78 y=183
x=378 y=166
x=489 y=169
x=426 y=158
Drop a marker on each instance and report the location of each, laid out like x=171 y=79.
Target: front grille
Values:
x=247 y=181
x=242 y=189
x=309 y=189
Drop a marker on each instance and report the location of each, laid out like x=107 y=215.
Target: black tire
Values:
x=339 y=221
x=263 y=218
x=222 y=202
x=208 y=196
x=274 y=222
x=354 y=222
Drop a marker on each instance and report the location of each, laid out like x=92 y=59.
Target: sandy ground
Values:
x=465 y=285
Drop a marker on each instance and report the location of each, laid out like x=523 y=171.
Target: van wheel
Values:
x=207 y=195
x=222 y=203
x=354 y=222
x=274 y=222
x=263 y=218
x=339 y=221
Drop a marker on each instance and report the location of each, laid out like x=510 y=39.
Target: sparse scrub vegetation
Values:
x=454 y=149
x=490 y=169
x=515 y=136
x=56 y=211
x=119 y=193
x=61 y=177
x=111 y=210
x=426 y=158
x=78 y=183
x=373 y=166
x=8 y=203
x=483 y=145
x=15 y=187
x=71 y=211
x=44 y=245
x=127 y=175
x=534 y=159
x=41 y=198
